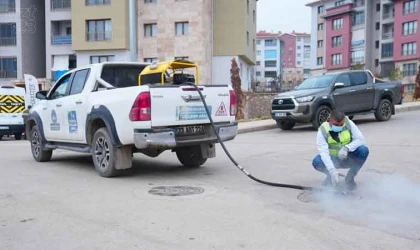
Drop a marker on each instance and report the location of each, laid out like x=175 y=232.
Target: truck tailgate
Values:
x=181 y=105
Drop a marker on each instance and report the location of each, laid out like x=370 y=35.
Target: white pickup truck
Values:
x=106 y=110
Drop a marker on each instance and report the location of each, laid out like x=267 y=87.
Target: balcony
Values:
x=388 y=15
x=359 y=3
x=7 y=74
x=387 y=55
x=388 y=36
x=7 y=41
x=61 y=39
x=60 y=5
x=356 y=60
x=9 y=7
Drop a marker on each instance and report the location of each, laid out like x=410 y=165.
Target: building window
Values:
x=290 y=64
x=270 y=54
x=337 y=41
x=8 y=67
x=100 y=59
x=97 y=2
x=99 y=30
x=338 y=3
x=338 y=23
x=298 y=55
x=270 y=63
x=299 y=47
x=7 y=34
x=358 y=56
x=150 y=59
x=258 y=73
x=181 y=58
x=410 y=7
x=410 y=69
x=321 y=9
x=409 y=28
x=378 y=26
x=377 y=44
x=387 y=50
x=254 y=16
x=258 y=52
x=320 y=61
x=376 y=62
x=7 y=6
x=150 y=1
x=320 y=26
x=247 y=38
x=150 y=30
x=337 y=59
x=270 y=74
x=182 y=28
x=358 y=19
x=299 y=62
x=378 y=7
x=320 y=43
x=409 y=49
x=270 y=42
x=258 y=41
x=247 y=6
x=258 y=63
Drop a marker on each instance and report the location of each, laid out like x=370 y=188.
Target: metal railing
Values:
x=388 y=35
x=8 y=7
x=359 y=59
x=388 y=54
x=60 y=4
x=359 y=3
x=7 y=41
x=98 y=36
x=61 y=40
x=6 y=74
x=388 y=15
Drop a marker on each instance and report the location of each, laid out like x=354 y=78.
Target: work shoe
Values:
x=349 y=183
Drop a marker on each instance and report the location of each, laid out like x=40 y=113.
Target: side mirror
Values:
x=41 y=95
x=339 y=85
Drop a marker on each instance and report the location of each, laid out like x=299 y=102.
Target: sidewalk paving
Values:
x=254 y=126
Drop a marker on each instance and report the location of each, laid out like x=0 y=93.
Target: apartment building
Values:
x=22 y=39
x=378 y=35
x=212 y=35
x=283 y=57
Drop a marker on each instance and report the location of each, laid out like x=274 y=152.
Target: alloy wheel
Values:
x=102 y=153
x=36 y=144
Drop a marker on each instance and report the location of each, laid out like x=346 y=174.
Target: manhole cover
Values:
x=307 y=197
x=175 y=190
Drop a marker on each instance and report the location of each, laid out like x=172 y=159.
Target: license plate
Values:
x=191 y=130
x=4 y=127
x=280 y=114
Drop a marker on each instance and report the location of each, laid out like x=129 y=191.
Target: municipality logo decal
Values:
x=54 y=126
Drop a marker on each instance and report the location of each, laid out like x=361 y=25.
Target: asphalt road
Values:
x=64 y=204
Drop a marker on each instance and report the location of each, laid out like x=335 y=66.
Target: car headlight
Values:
x=305 y=99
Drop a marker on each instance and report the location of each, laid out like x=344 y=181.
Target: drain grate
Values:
x=175 y=190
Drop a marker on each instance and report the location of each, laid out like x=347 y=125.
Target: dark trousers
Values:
x=354 y=161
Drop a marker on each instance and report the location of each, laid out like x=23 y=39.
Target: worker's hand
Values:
x=334 y=176
x=342 y=155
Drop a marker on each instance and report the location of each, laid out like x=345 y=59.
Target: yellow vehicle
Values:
x=170 y=72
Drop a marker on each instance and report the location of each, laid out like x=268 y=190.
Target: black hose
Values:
x=235 y=162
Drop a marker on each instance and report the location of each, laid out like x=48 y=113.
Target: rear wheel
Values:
x=18 y=137
x=321 y=116
x=104 y=153
x=190 y=157
x=384 y=110
x=39 y=154
x=285 y=125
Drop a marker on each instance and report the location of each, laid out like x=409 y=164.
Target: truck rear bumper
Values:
x=168 y=139
x=11 y=129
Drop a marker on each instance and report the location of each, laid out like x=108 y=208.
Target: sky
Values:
x=284 y=15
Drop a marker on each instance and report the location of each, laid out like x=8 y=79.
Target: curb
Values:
x=274 y=126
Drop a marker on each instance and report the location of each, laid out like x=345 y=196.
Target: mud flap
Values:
x=124 y=158
x=208 y=150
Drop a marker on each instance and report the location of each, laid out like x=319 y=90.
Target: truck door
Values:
x=343 y=96
x=363 y=92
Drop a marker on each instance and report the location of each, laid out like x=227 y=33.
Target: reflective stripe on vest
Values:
x=345 y=137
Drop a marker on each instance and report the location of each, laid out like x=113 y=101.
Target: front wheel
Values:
x=285 y=125
x=190 y=157
x=39 y=154
x=321 y=116
x=104 y=153
x=384 y=110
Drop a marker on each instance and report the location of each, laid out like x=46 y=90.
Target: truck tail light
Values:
x=402 y=89
x=142 y=108
x=233 y=103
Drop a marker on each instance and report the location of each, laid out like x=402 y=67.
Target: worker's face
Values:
x=334 y=122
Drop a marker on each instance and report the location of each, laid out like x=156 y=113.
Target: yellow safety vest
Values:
x=345 y=137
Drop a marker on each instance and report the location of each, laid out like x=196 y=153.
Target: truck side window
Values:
x=358 y=78
x=344 y=79
x=79 y=81
x=61 y=90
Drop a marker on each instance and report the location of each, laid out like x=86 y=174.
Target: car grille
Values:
x=287 y=104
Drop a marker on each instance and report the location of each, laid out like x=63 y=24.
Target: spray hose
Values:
x=237 y=164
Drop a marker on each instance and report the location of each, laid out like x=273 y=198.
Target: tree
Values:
x=237 y=87
x=395 y=75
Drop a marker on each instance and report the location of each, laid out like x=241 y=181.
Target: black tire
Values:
x=384 y=110
x=190 y=157
x=104 y=154
x=39 y=154
x=321 y=116
x=18 y=137
x=285 y=125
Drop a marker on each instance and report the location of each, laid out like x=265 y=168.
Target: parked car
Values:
x=12 y=104
x=354 y=92
x=112 y=110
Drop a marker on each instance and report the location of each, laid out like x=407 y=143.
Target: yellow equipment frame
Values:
x=162 y=67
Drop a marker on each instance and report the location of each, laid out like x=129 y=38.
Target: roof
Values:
x=264 y=34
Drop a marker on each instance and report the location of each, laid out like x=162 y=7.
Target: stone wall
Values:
x=257 y=105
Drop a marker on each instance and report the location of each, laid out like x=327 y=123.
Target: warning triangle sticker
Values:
x=221 y=111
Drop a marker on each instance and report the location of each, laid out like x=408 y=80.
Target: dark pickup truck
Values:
x=354 y=92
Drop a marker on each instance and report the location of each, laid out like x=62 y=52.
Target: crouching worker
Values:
x=340 y=145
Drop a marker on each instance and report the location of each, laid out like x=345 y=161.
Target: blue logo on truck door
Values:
x=72 y=118
x=191 y=113
x=54 y=126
